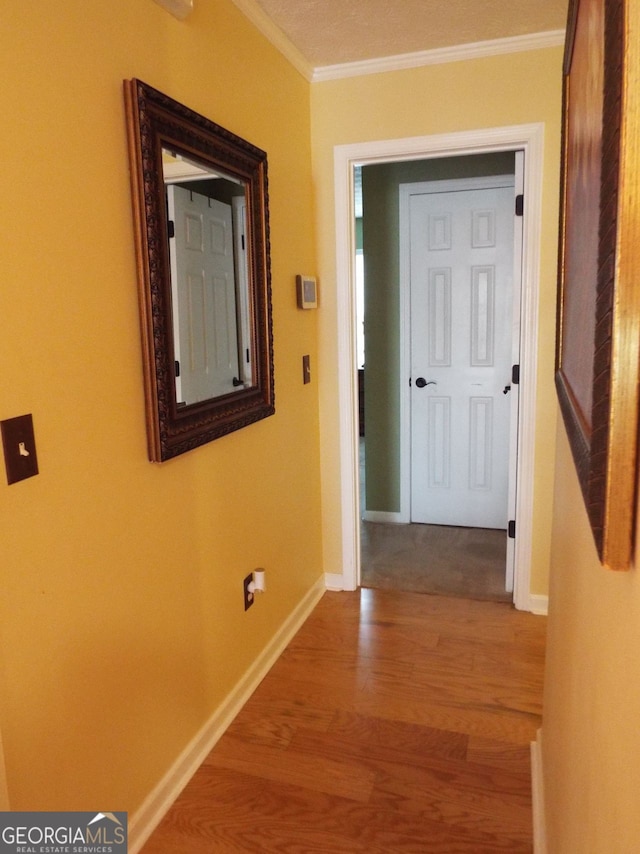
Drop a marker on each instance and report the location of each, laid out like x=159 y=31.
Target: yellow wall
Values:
x=121 y=618
x=591 y=737
x=499 y=91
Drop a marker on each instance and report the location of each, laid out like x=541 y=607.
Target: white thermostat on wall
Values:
x=307 y=290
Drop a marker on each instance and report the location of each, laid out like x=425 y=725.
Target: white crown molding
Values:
x=259 y=18
x=178 y=8
x=457 y=53
x=265 y=25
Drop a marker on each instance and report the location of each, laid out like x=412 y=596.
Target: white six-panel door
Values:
x=461 y=276
x=204 y=297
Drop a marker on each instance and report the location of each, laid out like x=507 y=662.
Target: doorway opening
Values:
x=442 y=253
x=529 y=139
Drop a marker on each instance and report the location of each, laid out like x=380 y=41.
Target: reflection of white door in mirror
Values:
x=223 y=332
x=204 y=295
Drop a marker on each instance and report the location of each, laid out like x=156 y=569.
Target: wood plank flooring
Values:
x=393 y=722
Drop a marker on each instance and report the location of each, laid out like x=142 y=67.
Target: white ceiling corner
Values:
x=325 y=39
x=256 y=14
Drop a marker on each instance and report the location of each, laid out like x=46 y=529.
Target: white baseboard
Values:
x=537 y=797
x=4 y=789
x=534 y=602
x=334 y=580
x=149 y=815
x=538 y=604
x=384 y=516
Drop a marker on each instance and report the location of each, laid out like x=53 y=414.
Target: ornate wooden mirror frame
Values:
x=157 y=125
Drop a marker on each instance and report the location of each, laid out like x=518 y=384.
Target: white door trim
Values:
x=518 y=282
x=530 y=138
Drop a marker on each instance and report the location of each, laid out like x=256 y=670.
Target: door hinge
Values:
x=519 y=205
x=177 y=367
x=512 y=529
x=515 y=375
x=171 y=229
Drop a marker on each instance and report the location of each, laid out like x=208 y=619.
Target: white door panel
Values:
x=461 y=275
x=204 y=300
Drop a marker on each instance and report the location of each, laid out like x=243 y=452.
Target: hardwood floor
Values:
x=393 y=722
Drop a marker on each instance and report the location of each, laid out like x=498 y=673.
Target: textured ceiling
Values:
x=332 y=32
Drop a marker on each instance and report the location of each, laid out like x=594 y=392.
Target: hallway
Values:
x=393 y=722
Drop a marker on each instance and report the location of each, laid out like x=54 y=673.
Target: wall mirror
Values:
x=200 y=205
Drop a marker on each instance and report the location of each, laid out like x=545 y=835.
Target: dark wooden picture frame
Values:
x=597 y=358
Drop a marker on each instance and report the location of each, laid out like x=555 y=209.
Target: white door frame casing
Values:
x=529 y=138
